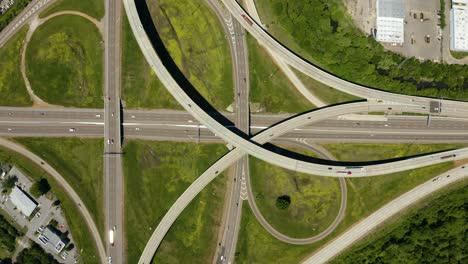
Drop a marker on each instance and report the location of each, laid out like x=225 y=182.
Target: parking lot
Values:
x=423 y=37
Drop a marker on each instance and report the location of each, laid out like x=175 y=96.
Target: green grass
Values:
x=156 y=174
x=79 y=161
x=433 y=231
x=269 y=87
x=196 y=42
x=335 y=44
x=12 y=87
x=315 y=201
x=12 y=12
x=94 y=8
x=141 y=87
x=365 y=195
x=458 y=54
x=80 y=232
x=64 y=62
x=371 y=151
x=326 y=93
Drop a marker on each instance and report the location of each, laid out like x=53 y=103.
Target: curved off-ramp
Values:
x=36 y=23
x=358 y=231
x=323 y=153
x=66 y=187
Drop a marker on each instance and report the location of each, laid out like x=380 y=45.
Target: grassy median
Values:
x=80 y=232
x=156 y=174
x=197 y=44
x=94 y=8
x=315 y=201
x=64 y=62
x=12 y=87
x=80 y=162
x=141 y=87
x=269 y=87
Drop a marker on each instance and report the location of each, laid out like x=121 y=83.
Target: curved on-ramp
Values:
x=371 y=222
x=68 y=189
x=301 y=241
x=253 y=148
x=449 y=107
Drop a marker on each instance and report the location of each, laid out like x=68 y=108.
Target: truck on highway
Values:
x=247 y=19
x=111 y=236
x=351 y=169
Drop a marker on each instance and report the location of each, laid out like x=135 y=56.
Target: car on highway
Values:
x=72 y=129
x=110 y=141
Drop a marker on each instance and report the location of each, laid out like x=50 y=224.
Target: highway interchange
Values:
x=198 y=126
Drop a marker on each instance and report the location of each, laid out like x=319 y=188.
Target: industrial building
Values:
x=22 y=201
x=459 y=25
x=390 y=21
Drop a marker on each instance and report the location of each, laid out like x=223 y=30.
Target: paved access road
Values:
x=23 y=18
x=66 y=187
x=113 y=174
x=448 y=108
x=371 y=222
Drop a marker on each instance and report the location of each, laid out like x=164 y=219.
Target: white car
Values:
x=72 y=129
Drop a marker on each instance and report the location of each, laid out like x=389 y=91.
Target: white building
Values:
x=21 y=200
x=459 y=25
x=51 y=239
x=390 y=21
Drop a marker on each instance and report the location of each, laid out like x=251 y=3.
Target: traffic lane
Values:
x=17 y=113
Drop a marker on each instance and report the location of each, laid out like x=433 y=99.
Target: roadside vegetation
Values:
x=155 y=176
x=94 y=8
x=79 y=161
x=12 y=12
x=432 y=232
x=365 y=195
x=141 y=87
x=329 y=95
x=296 y=204
x=458 y=54
x=8 y=236
x=35 y=255
x=64 y=62
x=335 y=44
x=81 y=234
x=12 y=87
x=196 y=42
x=269 y=87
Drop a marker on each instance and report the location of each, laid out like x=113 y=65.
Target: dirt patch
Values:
x=363 y=13
x=460 y=162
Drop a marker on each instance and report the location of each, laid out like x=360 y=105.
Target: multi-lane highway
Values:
x=113 y=175
x=238 y=47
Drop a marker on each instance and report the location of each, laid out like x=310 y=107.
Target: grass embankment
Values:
x=334 y=43
x=269 y=87
x=79 y=161
x=141 y=87
x=365 y=195
x=64 y=62
x=315 y=201
x=12 y=12
x=459 y=54
x=81 y=234
x=12 y=87
x=326 y=93
x=94 y=8
x=197 y=44
x=156 y=174
x=434 y=231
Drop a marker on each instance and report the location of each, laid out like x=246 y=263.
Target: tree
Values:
x=10 y=182
x=70 y=247
x=283 y=202
x=41 y=187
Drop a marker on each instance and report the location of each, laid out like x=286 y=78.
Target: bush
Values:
x=56 y=202
x=283 y=202
x=41 y=187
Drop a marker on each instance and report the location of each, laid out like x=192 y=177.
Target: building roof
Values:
x=391 y=8
x=51 y=239
x=390 y=21
x=25 y=203
x=459 y=27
